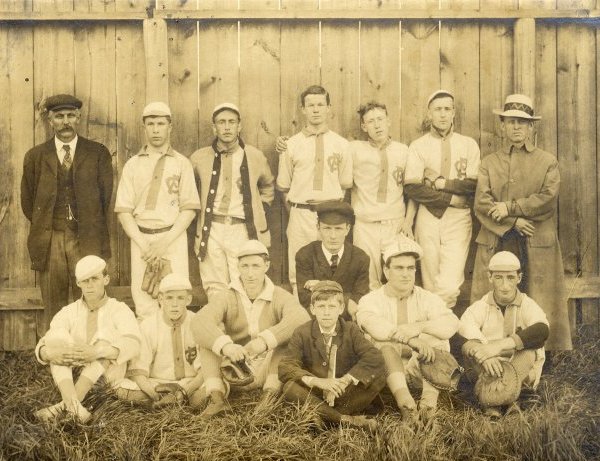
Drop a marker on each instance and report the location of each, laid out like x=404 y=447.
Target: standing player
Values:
x=315 y=167
x=157 y=200
x=441 y=175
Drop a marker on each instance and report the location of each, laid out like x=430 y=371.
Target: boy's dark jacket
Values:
x=306 y=354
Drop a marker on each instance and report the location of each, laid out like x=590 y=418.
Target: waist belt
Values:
x=227 y=219
x=303 y=206
x=145 y=230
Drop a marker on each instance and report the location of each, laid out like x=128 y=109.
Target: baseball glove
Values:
x=155 y=271
x=443 y=372
x=494 y=392
x=237 y=373
x=170 y=394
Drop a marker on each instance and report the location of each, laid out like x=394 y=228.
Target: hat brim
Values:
x=64 y=106
x=516 y=114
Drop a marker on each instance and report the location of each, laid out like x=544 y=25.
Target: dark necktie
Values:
x=334 y=262
x=67 y=161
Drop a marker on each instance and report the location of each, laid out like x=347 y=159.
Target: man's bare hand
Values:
x=157 y=248
x=524 y=227
x=57 y=354
x=498 y=212
x=311 y=284
x=405 y=332
x=493 y=367
x=406 y=229
x=486 y=351
x=281 y=144
x=256 y=347
x=426 y=352
x=235 y=352
x=333 y=385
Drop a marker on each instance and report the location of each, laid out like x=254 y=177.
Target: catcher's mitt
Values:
x=155 y=271
x=494 y=392
x=237 y=373
x=443 y=372
x=170 y=394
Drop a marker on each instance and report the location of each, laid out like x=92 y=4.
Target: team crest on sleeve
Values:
x=190 y=354
x=173 y=184
x=461 y=168
x=398 y=175
x=334 y=161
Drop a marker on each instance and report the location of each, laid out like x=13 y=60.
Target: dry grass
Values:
x=561 y=422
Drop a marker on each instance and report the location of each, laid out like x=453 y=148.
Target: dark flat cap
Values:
x=327 y=285
x=335 y=212
x=63 y=101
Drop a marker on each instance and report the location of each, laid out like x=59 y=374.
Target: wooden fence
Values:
x=116 y=55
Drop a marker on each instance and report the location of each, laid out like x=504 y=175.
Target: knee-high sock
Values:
x=88 y=377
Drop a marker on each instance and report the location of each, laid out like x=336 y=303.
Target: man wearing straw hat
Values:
x=516 y=202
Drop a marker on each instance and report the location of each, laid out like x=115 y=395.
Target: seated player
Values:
x=331 y=258
x=253 y=320
x=330 y=363
x=168 y=354
x=504 y=325
x=406 y=323
x=97 y=333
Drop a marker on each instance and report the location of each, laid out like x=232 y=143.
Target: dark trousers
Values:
x=353 y=401
x=59 y=275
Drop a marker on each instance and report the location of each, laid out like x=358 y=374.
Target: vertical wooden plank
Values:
x=340 y=73
x=524 y=56
x=53 y=54
x=16 y=137
x=157 y=60
x=218 y=71
x=260 y=79
x=380 y=67
x=459 y=59
x=178 y=5
x=496 y=74
x=183 y=85
x=576 y=86
x=297 y=39
x=420 y=74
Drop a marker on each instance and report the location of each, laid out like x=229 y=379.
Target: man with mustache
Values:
x=66 y=189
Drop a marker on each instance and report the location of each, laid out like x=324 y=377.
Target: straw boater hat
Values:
x=517 y=105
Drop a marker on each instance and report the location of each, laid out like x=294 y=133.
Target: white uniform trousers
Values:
x=177 y=253
x=445 y=244
x=219 y=266
x=301 y=230
x=371 y=237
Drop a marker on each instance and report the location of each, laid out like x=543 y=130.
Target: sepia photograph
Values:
x=300 y=230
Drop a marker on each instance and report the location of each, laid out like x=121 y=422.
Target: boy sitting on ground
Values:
x=97 y=333
x=167 y=369
x=505 y=332
x=330 y=364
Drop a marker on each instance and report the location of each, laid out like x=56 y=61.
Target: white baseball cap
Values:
x=88 y=266
x=172 y=281
x=252 y=247
x=156 y=109
x=504 y=261
x=226 y=106
x=401 y=245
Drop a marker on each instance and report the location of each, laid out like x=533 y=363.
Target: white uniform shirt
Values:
x=297 y=164
x=116 y=324
x=366 y=165
x=236 y=207
x=426 y=153
x=156 y=359
x=378 y=313
x=173 y=191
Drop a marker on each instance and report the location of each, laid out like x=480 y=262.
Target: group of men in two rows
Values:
x=66 y=198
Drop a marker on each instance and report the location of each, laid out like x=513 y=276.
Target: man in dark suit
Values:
x=330 y=258
x=65 y=193
x=330 y=364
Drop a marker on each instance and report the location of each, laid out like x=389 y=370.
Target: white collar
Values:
x=72 y=144
x=328 y=255
x=331 y=332
x=266 y=293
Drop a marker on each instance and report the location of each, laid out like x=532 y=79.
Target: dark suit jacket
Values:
x=306 y=354
x=352 y=272
x=93 y=181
